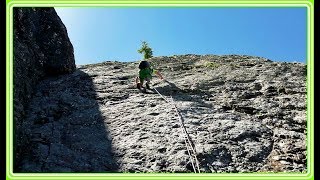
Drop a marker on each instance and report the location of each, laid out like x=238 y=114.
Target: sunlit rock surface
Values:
x=243 y=114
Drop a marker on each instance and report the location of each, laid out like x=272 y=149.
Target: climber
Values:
x=145 y=74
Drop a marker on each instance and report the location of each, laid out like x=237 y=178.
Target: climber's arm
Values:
x=159 y=74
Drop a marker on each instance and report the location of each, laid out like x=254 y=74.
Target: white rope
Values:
x=161 y=95
x=187 y=140
x=187 y=135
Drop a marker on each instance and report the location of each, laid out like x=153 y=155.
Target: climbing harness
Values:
x=189 y=145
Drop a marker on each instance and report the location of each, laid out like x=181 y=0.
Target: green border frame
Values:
x=309 y=4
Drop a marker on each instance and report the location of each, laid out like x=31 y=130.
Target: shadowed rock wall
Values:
x=41 y=48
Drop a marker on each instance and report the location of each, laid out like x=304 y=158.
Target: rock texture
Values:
x=41 y=47
x=243 y=114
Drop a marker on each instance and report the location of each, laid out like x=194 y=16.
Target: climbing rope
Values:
x=161 y=95
x=189 y=145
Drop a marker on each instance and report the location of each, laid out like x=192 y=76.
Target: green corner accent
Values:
x=9 y=91
x=310 y=110
x=158 y=2
x=311 y=97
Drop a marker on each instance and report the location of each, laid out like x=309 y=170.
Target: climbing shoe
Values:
x=139 y=85
x=148 y=86
x=143 y=90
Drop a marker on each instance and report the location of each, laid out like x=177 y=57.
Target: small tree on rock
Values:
x=145 y=50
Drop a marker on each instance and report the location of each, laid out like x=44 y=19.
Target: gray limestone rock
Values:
x=242 y=116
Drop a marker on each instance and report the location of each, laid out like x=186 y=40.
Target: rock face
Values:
x=242 y=113
x=41 y=48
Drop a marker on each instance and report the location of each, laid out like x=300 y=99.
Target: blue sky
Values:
x=101 y=34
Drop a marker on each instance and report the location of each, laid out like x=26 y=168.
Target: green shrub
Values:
x=211 y=65
x=145 y=50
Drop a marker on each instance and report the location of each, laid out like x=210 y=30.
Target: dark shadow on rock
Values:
x=217 y=158
x=179 y=94
x=64 y=129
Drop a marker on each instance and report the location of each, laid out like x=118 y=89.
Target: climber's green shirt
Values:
x=146 y=73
